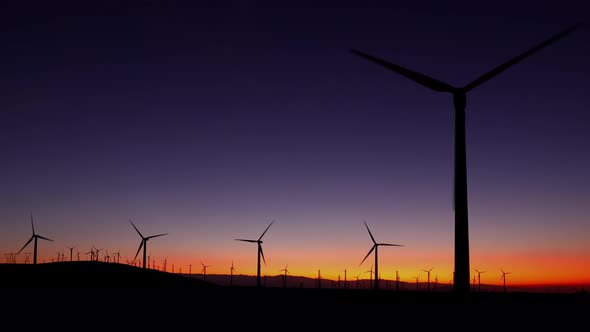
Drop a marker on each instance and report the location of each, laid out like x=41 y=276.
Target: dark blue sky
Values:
x=222 y=115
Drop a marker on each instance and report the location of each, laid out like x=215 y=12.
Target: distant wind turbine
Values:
x=260 y=252
x=504 y=277
x=345 y=281
x=479 y=279
x=370 y=272
x=375 y=247
x=286 y=271
x=116 y=257
x=96 y=256
x=143 y=243
x=71 y=251
x=231 y=274
x=461 y=280
x=204 y=270
x=34 y=237
x=428 y=271
x=418 y=277
x=91 y=252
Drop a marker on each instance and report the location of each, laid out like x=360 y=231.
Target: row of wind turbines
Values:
x=374 y=274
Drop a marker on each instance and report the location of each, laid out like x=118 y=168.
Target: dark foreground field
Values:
x=98 y=293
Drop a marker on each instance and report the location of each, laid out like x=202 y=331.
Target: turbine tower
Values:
x=462 y=270
x=33 y=237
x=260 y=252
x=144 y=240
x=376 y=247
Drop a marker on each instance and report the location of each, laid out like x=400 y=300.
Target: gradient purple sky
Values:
x=208 y=121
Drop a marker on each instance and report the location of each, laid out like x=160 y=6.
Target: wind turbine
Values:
x=116 y=257
x=370 y=272
x=479 y=279
x=461 y=280
x=71 y=250
x=260 y=252
x=345 y=281
x=91 y=252
x=285 y=276
x=33 y=237
x=418 y=277
x=504 y=277
x=376 y=247
x=231 y=274
x=428 y=271
x=143 y=243
x=204 y=270
x=96 y=256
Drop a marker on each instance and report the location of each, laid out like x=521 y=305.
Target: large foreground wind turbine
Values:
x=461 y=281
x=143 y=243
x=260 y=253
x=34 y=237
x=376 y=247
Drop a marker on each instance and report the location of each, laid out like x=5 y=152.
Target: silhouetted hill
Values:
x=91 y=275
x=98 y=291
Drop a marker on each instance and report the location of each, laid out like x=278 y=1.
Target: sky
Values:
x=207 y=120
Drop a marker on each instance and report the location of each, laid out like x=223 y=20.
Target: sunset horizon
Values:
x=457 y=134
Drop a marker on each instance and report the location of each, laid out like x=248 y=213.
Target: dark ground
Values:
x=100 y=294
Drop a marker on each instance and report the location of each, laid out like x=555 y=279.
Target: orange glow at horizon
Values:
x=526 y=268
